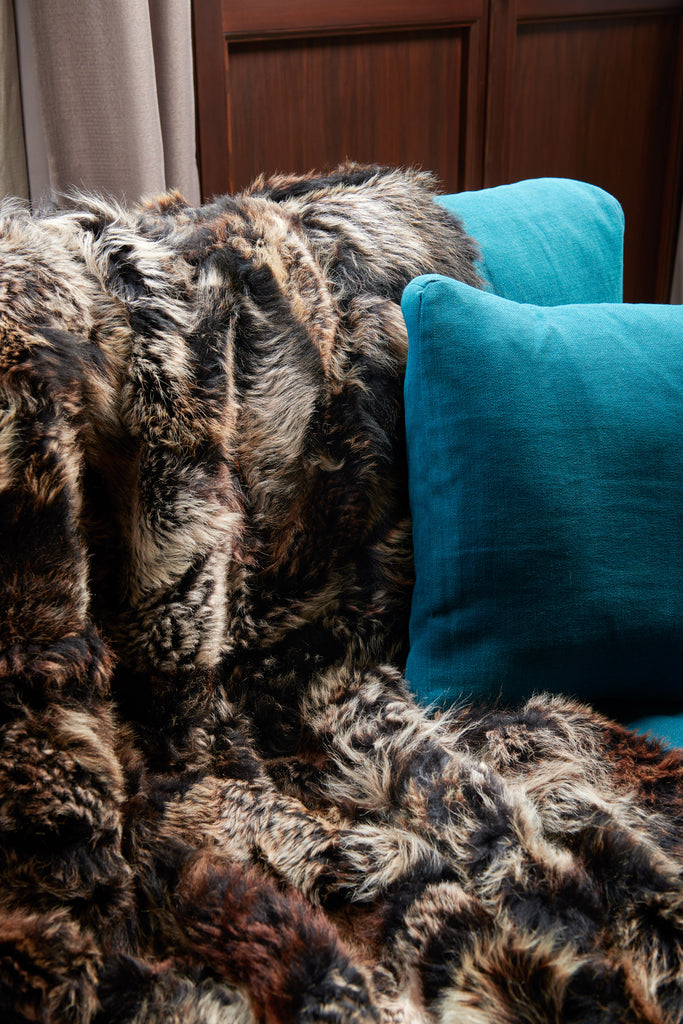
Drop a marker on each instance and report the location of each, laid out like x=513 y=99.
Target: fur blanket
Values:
x=219 y=803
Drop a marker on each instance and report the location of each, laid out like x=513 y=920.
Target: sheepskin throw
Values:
x=219 y=803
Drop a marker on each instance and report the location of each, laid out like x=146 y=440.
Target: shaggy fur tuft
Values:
x=219 y=803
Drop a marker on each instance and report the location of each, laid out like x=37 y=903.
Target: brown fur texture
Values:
x=219 y=802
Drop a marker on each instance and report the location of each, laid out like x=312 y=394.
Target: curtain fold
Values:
x=116 y=90
x=13 y=176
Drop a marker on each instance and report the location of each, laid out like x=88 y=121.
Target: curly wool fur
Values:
x=218 y=801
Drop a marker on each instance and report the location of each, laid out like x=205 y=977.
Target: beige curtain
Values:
x=115 y=91
x=13 y=177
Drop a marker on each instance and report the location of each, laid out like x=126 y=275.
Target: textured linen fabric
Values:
x=13 y=179
x=115 y=85
x=546 y=487
x=667 y=728
x=550 y=241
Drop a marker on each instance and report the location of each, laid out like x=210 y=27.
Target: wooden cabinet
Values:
x=306 y=84
x=482 y=92
x=592 y=90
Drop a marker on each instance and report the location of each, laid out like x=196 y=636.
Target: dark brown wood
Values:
x=501 y=58
x=547 y=9
x=213 y=129
x=599 y=99
x=474 y=110
x=264 y=18
x=672 y=198
x=307 y=84
x=392 y=98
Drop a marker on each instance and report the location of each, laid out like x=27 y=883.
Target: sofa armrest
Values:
x=547 y=241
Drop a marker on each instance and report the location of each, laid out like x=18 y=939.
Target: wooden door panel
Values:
x=601 y=116
x=599 y=99
x=266 y=18
x=306 y=85
x=391 y=98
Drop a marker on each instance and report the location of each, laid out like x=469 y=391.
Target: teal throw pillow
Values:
x=546 y=488
x=550 y=241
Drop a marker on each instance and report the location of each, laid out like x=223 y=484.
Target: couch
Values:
x=543 y=425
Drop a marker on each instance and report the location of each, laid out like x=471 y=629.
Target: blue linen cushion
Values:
x=550 y=241
x=546 y=488
x=666 y=728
